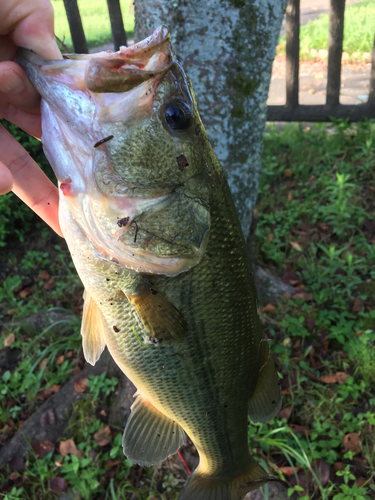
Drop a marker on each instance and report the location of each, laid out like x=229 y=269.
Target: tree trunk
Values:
x=117 y=25
x=227 y=48
x=75 y=26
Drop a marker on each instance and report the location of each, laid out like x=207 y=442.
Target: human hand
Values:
x=29 y=24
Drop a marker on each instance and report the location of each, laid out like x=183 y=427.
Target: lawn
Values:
x=359 y=30
x=315 y=230
x=95 y=20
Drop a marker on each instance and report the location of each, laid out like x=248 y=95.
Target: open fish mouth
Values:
x=120 y=132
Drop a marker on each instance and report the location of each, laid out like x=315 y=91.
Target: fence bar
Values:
x=292 y=52
x=320 y=113
x=335 y=38
x=371 y=96
x=117 y=25
x=75 y=26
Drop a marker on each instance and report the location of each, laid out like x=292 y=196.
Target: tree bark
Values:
x=75 y=26
x=227 y=48
x=117 y=25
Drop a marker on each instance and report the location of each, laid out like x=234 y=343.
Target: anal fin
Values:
x=159 y=316
x=92 y=330
x=150 y=436
x=265 y=402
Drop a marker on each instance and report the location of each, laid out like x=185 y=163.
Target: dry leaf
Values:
x=59 y=462
x=269 y=308
x=69 y=447
x=323 y=226
x=300 y=429
x=285 y=392
x=44 y=275
x=42 y=363
x=42 y=448
x=80 y=384
x=69 y=354
x=311 y=180
x=351 y=442
x=48 y=285
x=11 y=311
x=290 y=196
x=358 y=305
x=335 y=378
x=270 y=237
x=288 y=471
x=111 y=463
x=319 y=75
x=58 y=485
x=285 y=412
x=310 y=322
x=290 y=278
x=286 y=341
x=9 y=340
x=287 y=172
x=103 y=436
x=303 y=295
x=296 y=246
x=26 y=291
x=338 y=466
x=46 y=393
x=60 y=359
x=341 y=377
x=13 y=476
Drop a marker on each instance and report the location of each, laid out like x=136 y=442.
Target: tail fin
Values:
x=204 y=487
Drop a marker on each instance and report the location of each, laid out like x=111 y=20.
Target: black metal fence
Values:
x=292 y=110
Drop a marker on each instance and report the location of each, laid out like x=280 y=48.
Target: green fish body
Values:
x=155 y=237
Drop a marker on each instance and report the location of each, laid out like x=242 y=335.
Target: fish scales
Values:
x=170 y=289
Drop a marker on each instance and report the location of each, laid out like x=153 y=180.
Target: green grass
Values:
x=359 y=30
x=314 y=214
x=95 y=20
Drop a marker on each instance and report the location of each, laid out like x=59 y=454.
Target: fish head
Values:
x=124 y=137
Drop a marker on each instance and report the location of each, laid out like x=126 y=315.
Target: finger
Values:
x=17 y=89
x=6 y=179
x=29 y=182
x=29 y=122
x=30 y=25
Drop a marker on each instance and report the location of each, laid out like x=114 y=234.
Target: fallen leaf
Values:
x=351 y=442
x=304 y=296
x=288 y=172
x=311 y=91
x=46 y=393
x=26 y=292
x=69 y=447
x=69 y=354
x=360 y=481
x=319 y=75
x=341 y=377
x=42 y=448
x=59 y=462
x=311 y=180
x=286 y=341
x=58 y=485
x=310 y=322
x=335 y=378
x=296 y=246
x=323 y=226
x=103 y=436
x=80 y=384
x=13 y=476
x=357 y=305
x=42 y=363
x=269 y=308
x=285 y=392
x=60 y=359
x=289 y=471
x=300 y=429
x=290 y=196
x=9 y=340
x=338 y=466
x=270 y=237
x=111 y=463
x=285 y=412
x=49 y=284
x=44 y=275
x=290 y=278
x=11 y=311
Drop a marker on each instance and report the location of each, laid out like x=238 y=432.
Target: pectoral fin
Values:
x=150 y=436
x=92 y=330
x=265 y=402
x=159 y=316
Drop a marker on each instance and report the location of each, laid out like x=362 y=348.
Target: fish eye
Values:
x=177 y=115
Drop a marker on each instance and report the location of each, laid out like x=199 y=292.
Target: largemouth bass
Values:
x=154 y=234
